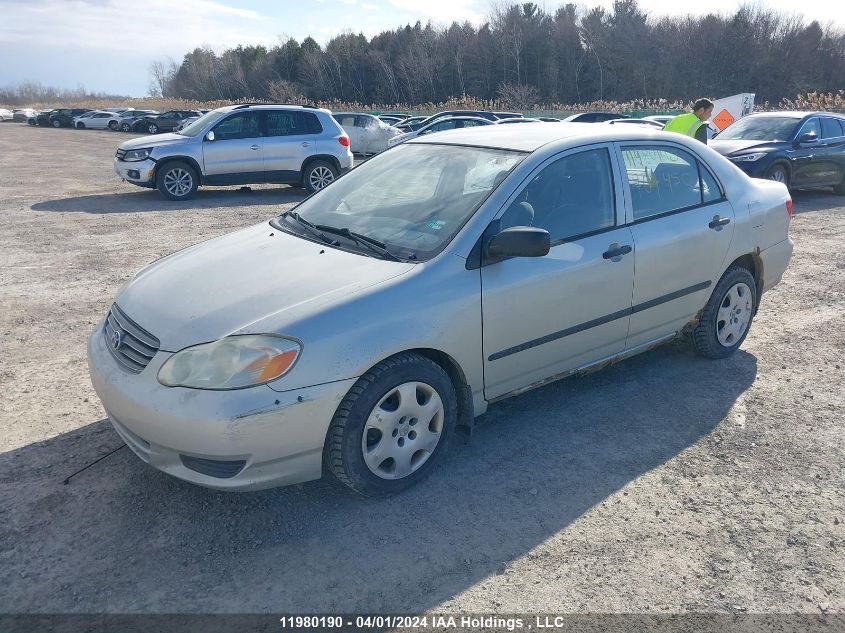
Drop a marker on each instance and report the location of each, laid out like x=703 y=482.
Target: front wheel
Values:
x=32 y=122
x=318 y=175
x=113 y=126
x=726 y=319
x=779 y=173
x=177 y=181
x=392 y=427
x=152 y=128
x=125 y=127
x=56 y=123
x=80 y=126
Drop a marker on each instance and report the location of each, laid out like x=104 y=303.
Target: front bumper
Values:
x=137 y=172
x=244 y=439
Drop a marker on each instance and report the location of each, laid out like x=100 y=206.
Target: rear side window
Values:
x=811 y=126
x=291 y=123
x=571 y=197
x=662 y=180
x=831 y=128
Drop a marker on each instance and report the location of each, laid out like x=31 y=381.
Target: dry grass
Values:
x=810 y=101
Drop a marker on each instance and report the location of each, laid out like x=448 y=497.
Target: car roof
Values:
x=277 y=106
x=529 y=138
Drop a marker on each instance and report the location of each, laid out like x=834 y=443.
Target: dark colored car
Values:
x=63 y=117
x=125 y=121
x=595 y=117
x=43 y=118
x=164 y=122
x=799 y=149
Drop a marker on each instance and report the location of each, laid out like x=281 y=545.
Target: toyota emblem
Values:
x=116 y=339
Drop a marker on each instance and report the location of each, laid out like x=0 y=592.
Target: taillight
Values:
x=343 y=140
x=789 y=207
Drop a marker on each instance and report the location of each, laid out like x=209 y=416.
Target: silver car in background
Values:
x=354 y=332
x=239 y=145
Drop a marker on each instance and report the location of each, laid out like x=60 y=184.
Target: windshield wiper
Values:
x=310 y=227
x=373 y=244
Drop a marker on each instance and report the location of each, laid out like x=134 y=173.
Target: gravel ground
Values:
x=664 y=484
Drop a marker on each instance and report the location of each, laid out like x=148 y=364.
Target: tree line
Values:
x=524 y=55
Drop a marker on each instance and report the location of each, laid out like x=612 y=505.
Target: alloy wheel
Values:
x=320 y=177
x=178 y=182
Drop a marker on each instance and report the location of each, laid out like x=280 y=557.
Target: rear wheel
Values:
x=392 y=427
x=152 y=128
x=125 y=127
x=177 y=181
x=726 y=319
x=113 y=126
x=779 y=173
x=80 y=126
x=318 y=175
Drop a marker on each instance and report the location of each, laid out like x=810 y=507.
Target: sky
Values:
x=108 y=45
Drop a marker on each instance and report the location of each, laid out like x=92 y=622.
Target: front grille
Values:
x=213 y=467
x=129 y=343
x=120 y=153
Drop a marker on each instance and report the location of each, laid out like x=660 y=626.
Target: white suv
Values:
x=238 y=145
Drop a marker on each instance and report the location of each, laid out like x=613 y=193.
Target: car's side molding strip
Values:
x=548 y=338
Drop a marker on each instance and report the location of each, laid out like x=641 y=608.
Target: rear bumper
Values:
x=775 y=260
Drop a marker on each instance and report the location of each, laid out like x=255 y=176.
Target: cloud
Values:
x=443 y=11
x=158 y=28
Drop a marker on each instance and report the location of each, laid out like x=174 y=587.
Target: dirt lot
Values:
x=666 y=483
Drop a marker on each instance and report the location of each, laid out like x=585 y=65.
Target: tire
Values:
x=32 y=122
x=726 y=319
x=125 y=127
x=779 y=172
x=152 y=128
x=56 y=123
x=840 y=188
x=376 y=461
x=113 y=126
x=318 y=175
x=80 y=126
x=177 y=180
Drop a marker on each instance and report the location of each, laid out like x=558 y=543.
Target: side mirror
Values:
x=520 y=241
x=210 y=136
x=808 y=137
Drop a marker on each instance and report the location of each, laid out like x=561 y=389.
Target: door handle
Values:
x=254 y=147
x=717 y=222
x=306 y=144
x=614 y=250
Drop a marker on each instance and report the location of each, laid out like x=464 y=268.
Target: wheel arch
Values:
x=753 y=263
x=324 y=157
x=185 y=159
x=783 y=163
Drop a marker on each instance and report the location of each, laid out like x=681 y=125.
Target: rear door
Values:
x=235 y=156
x=682 y=226
x=830 y=162
x=291 y=137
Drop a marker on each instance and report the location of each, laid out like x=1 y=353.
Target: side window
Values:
x=710 y=190
x=290 y=123
x=365 y=122
x=347 y=120
x=444 y=125
x=470 y=123
x=571 y=197
x=831 y=128
x=241 y=125
x=662 y=179
x=811 y=126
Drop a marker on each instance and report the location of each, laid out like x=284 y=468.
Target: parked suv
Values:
x=237 y=145
x=165 y=122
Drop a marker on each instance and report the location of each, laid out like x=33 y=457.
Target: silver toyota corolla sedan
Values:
x=356 y=331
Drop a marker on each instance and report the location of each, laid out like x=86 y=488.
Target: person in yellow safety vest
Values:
x=693 y=123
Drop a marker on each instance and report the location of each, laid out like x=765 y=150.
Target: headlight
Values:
x=233 y=362
x=138 y=154
x=747 y=158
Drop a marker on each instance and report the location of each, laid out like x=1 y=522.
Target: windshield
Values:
x=200 y=124
x=413 y=198
x=762 y=128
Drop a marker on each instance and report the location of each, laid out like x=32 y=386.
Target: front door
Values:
x=682 y=226
x=235 y=155
x=545 y=316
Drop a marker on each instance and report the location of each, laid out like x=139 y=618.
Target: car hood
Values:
x=155 y=140
x=259 y=276
x=729 y=147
